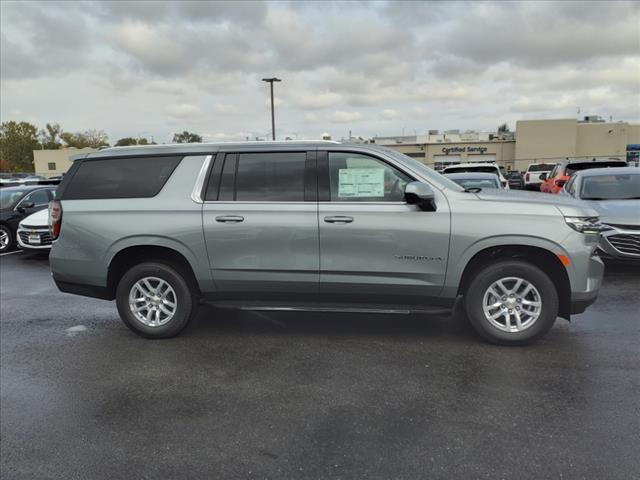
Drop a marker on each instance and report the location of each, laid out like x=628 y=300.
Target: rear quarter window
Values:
x=131 y=177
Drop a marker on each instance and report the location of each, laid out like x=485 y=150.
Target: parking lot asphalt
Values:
x=248 y=395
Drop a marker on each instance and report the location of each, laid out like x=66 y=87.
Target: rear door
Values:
x=260 y=221
x=373 y=245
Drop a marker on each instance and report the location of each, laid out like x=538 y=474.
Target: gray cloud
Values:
x=378 y=67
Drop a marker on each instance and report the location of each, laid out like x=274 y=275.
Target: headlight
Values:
x=586 y=224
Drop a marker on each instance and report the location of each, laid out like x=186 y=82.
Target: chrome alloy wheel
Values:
x=153 y=301
x=512 y=304
x=4 y=240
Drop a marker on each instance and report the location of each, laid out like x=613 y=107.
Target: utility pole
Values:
x=273 y=117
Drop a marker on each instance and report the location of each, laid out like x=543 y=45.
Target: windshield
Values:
x=424 y=170
x=574 y=167
x=611 y=187
x=485 y=169
x=477 y=183
x=8 y=198
x=541 y=167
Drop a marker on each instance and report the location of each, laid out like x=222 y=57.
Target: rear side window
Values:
x=136 y=177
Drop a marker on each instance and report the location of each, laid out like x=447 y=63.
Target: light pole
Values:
x=273 y=117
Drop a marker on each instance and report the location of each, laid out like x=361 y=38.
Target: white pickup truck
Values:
x=532 y=175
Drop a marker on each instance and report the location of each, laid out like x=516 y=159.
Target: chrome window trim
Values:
x=196 y=194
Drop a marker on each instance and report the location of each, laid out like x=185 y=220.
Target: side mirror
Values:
x=543 y=176
x=22 y=208
x=420 y=194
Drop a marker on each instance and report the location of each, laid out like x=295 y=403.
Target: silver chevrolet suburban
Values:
x=315 y=226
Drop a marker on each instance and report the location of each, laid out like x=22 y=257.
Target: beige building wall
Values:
x=537 y=140
x=53 y=163
x=602 y=140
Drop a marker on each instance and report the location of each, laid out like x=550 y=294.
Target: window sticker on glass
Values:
x=361 y=182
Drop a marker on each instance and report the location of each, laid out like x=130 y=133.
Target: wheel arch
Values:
x=129 y=256
x=540 y=257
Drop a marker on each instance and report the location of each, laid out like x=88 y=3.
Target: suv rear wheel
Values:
x=511 y=303
x=155 y=301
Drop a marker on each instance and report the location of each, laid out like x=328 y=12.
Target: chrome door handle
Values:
x=338 y=219
x=230 y=219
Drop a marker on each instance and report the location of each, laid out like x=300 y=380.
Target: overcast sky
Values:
x=154 y=68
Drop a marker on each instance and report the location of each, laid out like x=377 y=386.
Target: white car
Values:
x=532 y=179
x=478 y=168
x=33 y=231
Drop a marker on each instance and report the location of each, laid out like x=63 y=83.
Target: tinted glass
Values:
x=39 y=197
x=575 y=167
x=487 y=169
x=270 y=177
x=360 y=178
x=8 y=198
x=541 y=167
x=228 y=178
x=135 y=177
x=611 y=187
x=477 y=183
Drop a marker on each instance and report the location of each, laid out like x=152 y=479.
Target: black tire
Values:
x=9 y=245
x=186 y=299
x=511 y=268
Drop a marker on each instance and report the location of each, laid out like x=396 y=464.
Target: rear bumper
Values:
x=84 y=290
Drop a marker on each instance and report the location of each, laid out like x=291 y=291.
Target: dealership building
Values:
x=534 y=141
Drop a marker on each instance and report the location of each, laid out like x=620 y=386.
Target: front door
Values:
x=373 y=245
x=260 y=221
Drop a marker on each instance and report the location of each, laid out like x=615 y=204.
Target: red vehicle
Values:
x=554 y=181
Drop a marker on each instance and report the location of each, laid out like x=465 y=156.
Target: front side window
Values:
x=39 y=197
x=360 y=178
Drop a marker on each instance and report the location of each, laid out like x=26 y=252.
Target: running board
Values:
x=348 y=308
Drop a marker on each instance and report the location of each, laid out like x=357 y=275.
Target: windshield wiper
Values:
x=593 y=198
x=473 y=190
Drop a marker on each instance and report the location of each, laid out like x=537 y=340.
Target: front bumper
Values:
x=582 y=299
x=620 y=243
x=33 y=238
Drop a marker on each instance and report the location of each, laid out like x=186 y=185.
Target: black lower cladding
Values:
x=84 y=290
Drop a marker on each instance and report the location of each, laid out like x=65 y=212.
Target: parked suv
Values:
x=314 y=226
x=554 y=181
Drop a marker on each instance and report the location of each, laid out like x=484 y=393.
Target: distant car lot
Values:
x=290 y=395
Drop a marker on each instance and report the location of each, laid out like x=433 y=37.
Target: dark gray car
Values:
x=615 y=195
x=314 y=225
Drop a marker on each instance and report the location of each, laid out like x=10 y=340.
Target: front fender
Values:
x=462 y=259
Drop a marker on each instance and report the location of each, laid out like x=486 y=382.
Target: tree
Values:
x=50 y=136
x=504 y=128
x=88 y=138
x=187 y=137
x=17 y=143
x=126 y=141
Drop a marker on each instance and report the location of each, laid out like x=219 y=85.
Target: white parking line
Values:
x=11 y=253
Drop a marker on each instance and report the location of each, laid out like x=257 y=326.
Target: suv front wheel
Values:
x=511 y=303
x=154 y=300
